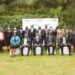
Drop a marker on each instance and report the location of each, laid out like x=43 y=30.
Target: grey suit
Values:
x=51 y=42
x=29 y=43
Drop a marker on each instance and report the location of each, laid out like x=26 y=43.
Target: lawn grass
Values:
x=37 y=65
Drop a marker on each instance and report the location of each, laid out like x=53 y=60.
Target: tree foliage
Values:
x=12 y=11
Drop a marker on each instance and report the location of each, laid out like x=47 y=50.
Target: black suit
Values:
x=8 y=36
x=32 y=35
x=25 y=32
x=43 y=36
x=51 y=42
x=37 y=44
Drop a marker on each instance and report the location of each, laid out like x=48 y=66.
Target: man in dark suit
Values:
x=26 y=42
x=51 y=42
x=39 y=31
x=31 y=33
x=8 y=35
x=37 y=42
x=44 y=34
x=26 y=31
x=65 y=42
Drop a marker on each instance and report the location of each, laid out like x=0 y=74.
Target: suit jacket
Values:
x=68 y=41
x=25 y=32
x=43 y=34
x=32 y=34
x=37 y=42
x=8 y=36
x=28 y=42
x=51 y=39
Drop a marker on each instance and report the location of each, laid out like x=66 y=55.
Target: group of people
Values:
x=43 y=38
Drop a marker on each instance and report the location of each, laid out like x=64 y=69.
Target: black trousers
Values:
x=22 y=50
x=31 y=45
x=69 y=46
x=49 y=49
x=43 y=38
x=34 y=49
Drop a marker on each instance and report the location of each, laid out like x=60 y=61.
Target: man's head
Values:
x=39 y=27
x=26 y=27
x=32 y=26
x=46 y=26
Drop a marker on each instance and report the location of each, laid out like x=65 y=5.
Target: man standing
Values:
x=44 y=34
x=32 y=32
x=26 y=31
x=8 y=35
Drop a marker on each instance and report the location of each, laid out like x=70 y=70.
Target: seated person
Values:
x=51 y=42
x=37 y=42
x=26 y=43
x=65 y=42
x=14 y=43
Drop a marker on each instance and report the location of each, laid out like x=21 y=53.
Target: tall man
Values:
x=32 y=32
x=44 y=34
x=8 y=35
